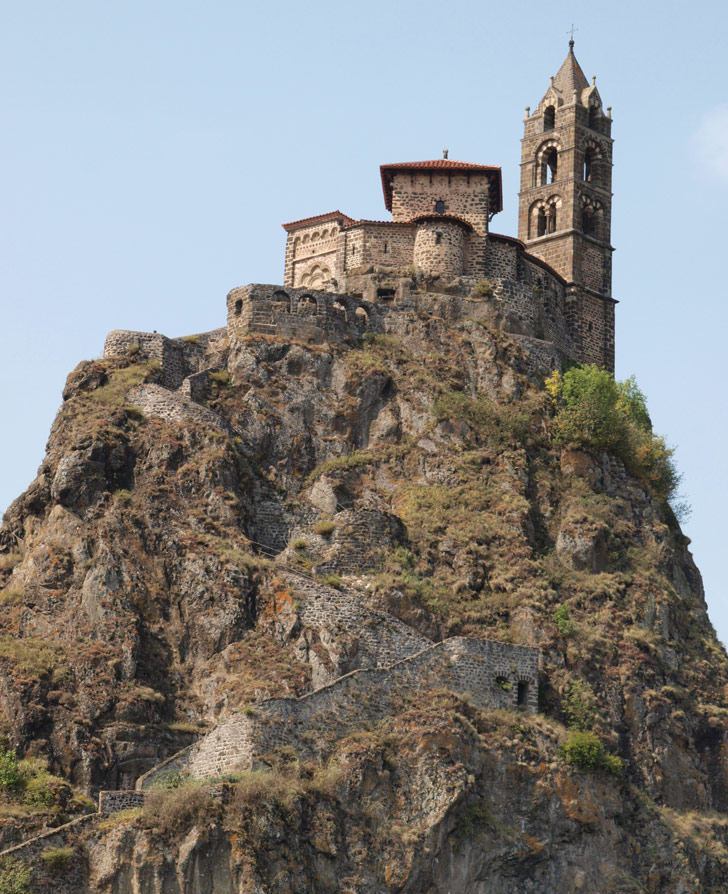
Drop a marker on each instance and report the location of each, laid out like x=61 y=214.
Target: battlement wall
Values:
x=178 y=357
x=310 y=316
x=495 y=675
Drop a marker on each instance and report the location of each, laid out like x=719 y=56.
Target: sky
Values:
x=151 y=150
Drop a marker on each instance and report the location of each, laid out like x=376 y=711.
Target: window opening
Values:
x=385 y=294
x=541 y=223
x=594 y=117
x=588 y=164
x=587 y=222
x=522 y=694
x=549 y=118
x=550 y=165
x=439 y=207
x=438 y=238
x=551 y=224
x=238 y=306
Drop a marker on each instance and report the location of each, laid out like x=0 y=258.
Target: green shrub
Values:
x=578 y=706
x=45 y=791
x=595 y=411
x=563 y=621
x=10 y=775
x=14 y=876
x=57 y=859
x=585 y=751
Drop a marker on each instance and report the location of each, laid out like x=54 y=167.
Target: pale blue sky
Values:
x=152 y=149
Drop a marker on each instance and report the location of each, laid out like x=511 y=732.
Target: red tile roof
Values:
x=445 y=164
x=318 y=218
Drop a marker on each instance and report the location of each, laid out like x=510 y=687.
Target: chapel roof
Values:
x=344 y=219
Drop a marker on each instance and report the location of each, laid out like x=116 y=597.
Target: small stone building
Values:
x=439 y=235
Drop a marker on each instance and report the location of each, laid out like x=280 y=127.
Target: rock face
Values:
x=221 y=521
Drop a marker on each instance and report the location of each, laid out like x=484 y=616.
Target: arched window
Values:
x=551 y=221
x=439 y=207
x=281 y=302
x=549 y=167
x=361 y=317
x=549 y=118
x=594 y=117
x=339 y=309
x=588 y=164
x=522 y=693
x=541 y=223
x=438 y=238
x=307 y=305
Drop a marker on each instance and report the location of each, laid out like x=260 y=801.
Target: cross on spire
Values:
x=571 y=32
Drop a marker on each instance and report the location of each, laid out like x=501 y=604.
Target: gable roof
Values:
x=344 y=219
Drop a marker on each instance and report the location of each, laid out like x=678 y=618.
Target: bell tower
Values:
x=565 y=203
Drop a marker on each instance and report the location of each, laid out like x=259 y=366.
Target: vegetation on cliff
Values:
x=142 y=602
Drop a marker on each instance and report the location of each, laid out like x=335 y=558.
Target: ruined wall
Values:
x=178 y=357
x=495 y=675
x=313 y=317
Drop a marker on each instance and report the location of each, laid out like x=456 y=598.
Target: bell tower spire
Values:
x=565 y=202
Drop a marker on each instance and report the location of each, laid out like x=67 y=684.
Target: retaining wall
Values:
x=496 y=675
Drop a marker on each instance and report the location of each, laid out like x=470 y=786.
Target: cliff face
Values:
x=318 y=510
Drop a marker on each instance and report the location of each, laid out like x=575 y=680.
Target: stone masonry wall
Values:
x=465 y=195
x=116 y=801
x=311 y=247
x=378 y=244
x=495 y=675
x=440 y=248
x=173 y=406
x=372 y=638
x=178 y=357
x=531 y=295
x=310 y=316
